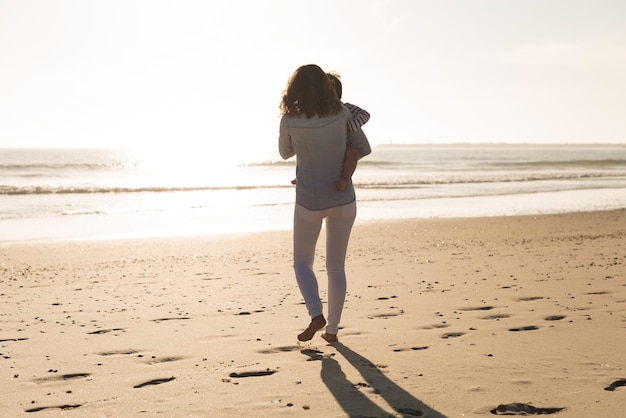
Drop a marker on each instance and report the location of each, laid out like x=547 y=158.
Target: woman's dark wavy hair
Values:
x=309 y=92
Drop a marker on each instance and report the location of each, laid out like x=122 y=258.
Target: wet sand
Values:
x=444 y=317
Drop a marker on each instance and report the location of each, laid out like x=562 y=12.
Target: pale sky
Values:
x=162 y=73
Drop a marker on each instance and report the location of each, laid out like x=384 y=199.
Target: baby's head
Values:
x=336 y=83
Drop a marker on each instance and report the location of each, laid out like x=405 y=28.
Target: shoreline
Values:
x=259 y=219
x=89 y=193
x=443 y=316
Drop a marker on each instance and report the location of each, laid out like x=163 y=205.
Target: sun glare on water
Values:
x=191 y=167
x=176 y=166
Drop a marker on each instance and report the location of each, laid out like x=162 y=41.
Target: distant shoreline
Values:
x=374 y=144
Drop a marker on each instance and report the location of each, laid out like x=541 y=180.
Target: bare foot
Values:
x=316 y=324
x=331 y=338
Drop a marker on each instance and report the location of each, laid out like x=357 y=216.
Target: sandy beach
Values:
x=444 y=317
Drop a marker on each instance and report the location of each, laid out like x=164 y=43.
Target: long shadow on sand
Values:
x=351 y=396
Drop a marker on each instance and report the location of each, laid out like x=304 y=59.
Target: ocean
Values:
x=49 y=194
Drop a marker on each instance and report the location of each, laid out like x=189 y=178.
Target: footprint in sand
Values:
x=397 y=350
x=104 y=331
x=164 y=360
x=250 y=313
x=283 y=349
x=496 y=316
x=170 y=319
x=452 y=335
x=64 y=407
x=154 y=382
x=554 y=317
x=523 y=409
x=67 y=376
x=526 y=328
x=477 y=308
x=435 y=326
x=121 y=352
x=529 y=298
x=615 y=385
x=386 y=315
x=254 y=373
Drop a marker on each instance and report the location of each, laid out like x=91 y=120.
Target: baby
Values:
x=359 y=118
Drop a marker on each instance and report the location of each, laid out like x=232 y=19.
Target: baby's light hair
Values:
x=336 y=82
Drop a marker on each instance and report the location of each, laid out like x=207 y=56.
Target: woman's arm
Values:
x=358 y=140
x=285 y=147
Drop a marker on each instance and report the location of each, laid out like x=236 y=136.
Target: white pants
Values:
x=306 y=230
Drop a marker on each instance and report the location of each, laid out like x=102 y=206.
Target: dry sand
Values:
x=455 y=317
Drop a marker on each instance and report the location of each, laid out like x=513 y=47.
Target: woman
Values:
x=314 y=128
